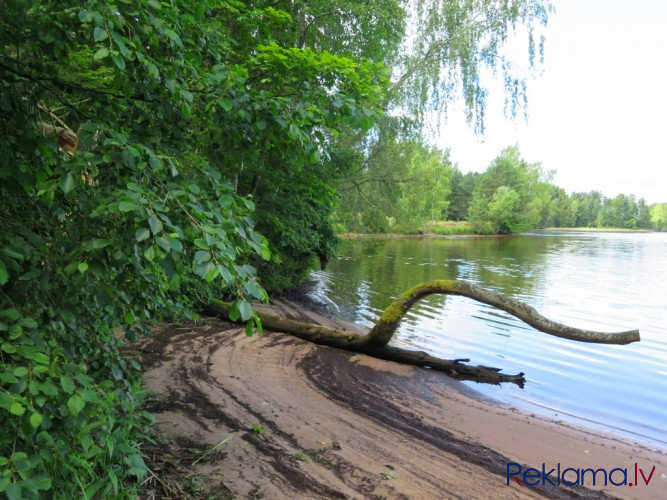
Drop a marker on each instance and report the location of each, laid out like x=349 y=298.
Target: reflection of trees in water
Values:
x=370 y=273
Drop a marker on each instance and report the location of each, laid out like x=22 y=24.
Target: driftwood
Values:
x=375 y=342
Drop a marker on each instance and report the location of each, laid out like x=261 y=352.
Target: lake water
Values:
x=597 y=281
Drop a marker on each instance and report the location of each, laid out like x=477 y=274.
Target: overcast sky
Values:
x=598 y=111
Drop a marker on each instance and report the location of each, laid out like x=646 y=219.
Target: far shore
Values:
x=426 y=234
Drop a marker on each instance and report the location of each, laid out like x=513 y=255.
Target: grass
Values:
x=449 y=227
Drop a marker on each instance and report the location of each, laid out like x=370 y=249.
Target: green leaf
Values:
x=226 y=103
x=13 y=492
x=212 y=274
x=11 y=314
x=120 y=43
x=129 y=318
x=142 y=234
x=17 y=409
x=150 y=253
x=100 y=34
x=4 y=275
x=82 y=267
x=41 y=358
x=118 y=60
x=163 y=243
x=137 y=466
x=35 y=420
x=156 y=163
x=204 y=268
x=127 y=206
x=248 y=329
x=47 y=388
x=8 y=348
x=245 y=309
x=8 y=378
x=155 y=224
x=89 y=127
x=226 y=275
x=18 y=456
x=202 y=256
x=20 y=371
x=176 y=245
x=258 y=324
x=187 y=95
x=6 y=400
x=27 y=322
x=75 y=404
x=30 y=275
x=101 y=243
x=133 y=186
x=43 y=482
x=171 y=85
x=67 y=384
x=201 y=243
x=101 y=53
x=253 y=289
x=67 y=183
x=15 y=331
x=13 y=253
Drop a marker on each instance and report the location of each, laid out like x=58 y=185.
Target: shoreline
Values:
x=341 y=425
x=353 y=236
x=301 y=298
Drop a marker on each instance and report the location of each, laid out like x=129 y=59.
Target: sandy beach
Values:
x=305 y=421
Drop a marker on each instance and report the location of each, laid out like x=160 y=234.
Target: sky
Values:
x=597 y=110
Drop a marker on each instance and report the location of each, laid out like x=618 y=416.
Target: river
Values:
x=597 y=281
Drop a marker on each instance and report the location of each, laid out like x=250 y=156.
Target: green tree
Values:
x=587 y=208
x=424 y=195
x=462 y=187
x=643 y=214
x=620 y=211
x=560 y=210
x=659 y=216
x=524 y=189
x=502 y=208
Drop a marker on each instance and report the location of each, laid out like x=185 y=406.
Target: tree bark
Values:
x=375 y=342
x=386 y=326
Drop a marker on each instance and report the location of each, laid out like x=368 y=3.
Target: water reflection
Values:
x=601 y=281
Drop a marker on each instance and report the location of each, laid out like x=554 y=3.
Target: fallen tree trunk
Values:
x=386 y=326
x=375 y=342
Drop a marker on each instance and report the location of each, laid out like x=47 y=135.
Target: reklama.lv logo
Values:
x=576 y=477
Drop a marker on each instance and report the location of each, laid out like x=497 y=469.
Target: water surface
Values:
x=597 y=281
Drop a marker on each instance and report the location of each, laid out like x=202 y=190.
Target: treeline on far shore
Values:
x=511 y=196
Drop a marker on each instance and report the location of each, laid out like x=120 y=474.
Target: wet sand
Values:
x=314 y=422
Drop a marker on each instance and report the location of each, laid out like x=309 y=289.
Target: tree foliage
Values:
x=658 y=216
x=401 y=185
x=132 y=133
x=510 y=196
